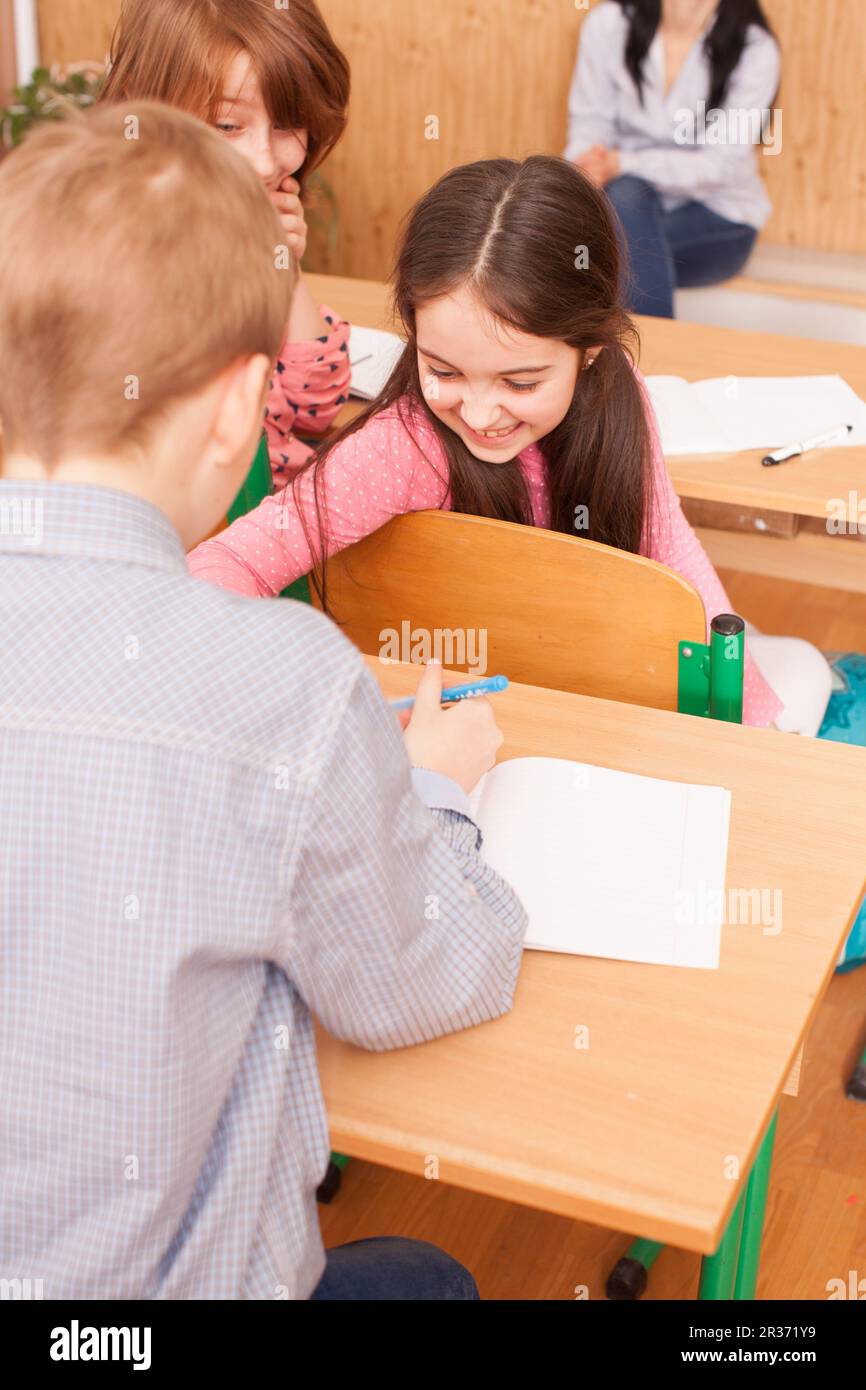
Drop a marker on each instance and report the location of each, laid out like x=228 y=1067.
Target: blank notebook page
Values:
x=768 y=412
x=729 y=414
x=607 y=863
x=374 y=355
x=686 y=424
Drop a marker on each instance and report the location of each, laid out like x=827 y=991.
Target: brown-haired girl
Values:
x=274 y=82
x=516 y=398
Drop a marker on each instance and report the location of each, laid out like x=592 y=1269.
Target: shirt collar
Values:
x=655 y=62
x=100 y=523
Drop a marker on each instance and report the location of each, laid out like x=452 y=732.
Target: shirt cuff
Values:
x=309 y=351
x=440 y=793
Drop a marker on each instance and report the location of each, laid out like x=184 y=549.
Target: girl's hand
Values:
x=287 y=201
x=461 y=742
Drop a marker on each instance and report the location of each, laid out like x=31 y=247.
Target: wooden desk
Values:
x=684 y=1067
x=695 y=351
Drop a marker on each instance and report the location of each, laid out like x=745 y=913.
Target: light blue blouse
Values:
x=713 y=159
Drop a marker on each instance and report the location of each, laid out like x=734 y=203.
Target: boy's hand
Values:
x=287 y=201
x=461 y=742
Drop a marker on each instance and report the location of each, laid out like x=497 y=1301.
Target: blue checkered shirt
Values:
x=208 y=833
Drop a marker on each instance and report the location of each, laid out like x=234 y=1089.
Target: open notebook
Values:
x=726 y=414
x=607 y=863
x=373 y=355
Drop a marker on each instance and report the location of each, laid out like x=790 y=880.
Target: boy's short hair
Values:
x=179 y=51
x=141 y=257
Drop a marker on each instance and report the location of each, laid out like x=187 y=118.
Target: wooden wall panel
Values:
x=818 y=182
x=495 y=75
x=8 y=77
x=72 y=31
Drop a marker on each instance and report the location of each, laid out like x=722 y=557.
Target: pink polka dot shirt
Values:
x=309 y=388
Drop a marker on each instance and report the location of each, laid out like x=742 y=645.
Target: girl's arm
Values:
x=306 y=318
x=695 y=170
x=375 y=474
x=672 y=542
x=309 y=385
x=592 y=98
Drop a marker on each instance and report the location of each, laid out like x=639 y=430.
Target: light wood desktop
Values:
x=803 y=487
x=684 y=1068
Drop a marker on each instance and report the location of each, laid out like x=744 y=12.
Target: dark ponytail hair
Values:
x=515 y=234
x=724 y=43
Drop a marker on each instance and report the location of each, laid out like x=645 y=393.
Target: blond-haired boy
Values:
x=209 y=826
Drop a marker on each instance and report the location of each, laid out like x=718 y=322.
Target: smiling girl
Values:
x=273 y=81
x=516 y=398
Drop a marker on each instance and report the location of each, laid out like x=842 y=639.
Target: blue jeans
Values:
x=690 y=246
x=389 y=1267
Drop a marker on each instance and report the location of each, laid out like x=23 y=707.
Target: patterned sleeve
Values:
x=309 y=386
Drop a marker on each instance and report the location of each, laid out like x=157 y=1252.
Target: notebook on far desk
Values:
x=373 y=354
x=608 y=863
x=727 y=414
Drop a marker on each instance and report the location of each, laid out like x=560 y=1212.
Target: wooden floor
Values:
x=816 y=1214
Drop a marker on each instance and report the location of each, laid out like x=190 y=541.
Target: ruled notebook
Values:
x=727 y=414
x=607 y=863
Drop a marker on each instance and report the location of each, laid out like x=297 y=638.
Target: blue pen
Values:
x=491 y=685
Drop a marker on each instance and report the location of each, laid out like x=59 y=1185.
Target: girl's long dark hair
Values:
x=724 y=43
x=535 y=242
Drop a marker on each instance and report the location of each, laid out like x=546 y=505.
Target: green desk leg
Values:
x=733 y=1271
x=628 y=1278
x=710 y=678
x=718 y=1271
x=727 y=668
x=753 y=1221
x=330 y=1184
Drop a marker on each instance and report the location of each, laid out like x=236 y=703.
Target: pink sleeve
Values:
x=373 y=475
x=672 y=542
x=309 y=386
